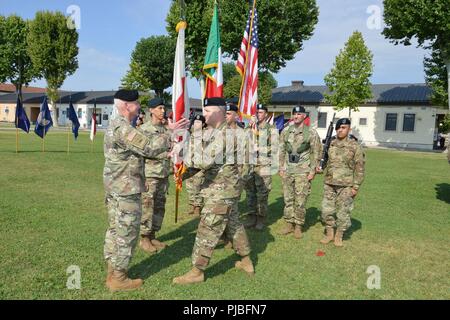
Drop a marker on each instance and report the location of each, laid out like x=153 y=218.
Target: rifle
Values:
x=326 y=145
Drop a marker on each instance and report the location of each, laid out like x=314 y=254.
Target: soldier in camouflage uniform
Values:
x=193 y=184
x=124 y=149
x=259 y=184
x=220 y=189
x=300 y=151
x=344 y=175
x=157 y=171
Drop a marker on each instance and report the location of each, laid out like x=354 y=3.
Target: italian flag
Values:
x=212 y=68
x=180 y=98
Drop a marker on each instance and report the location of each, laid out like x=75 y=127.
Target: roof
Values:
x=6 y=87
x=77 y=97
x=407 y=93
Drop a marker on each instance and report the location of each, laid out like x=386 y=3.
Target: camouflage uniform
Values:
x=157 y=171
x=123 y=177
x=220 y=189
x=300 y=144
x=345 y=170
x=259 y=183
x=193 y=184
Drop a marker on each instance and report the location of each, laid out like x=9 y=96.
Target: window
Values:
x=105 y=117
x=322 y=120
x=363 y=121
x=409 y=120
x=391 y=122
x=80 y=113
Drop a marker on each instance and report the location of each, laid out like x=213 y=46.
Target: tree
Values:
x=426 y=21
x=53 y=49
x=436 y=77
x=136 y=80
x=348 y=80
x=266 y=83
x=15 y=63
x=156 y=56
x=283 y=27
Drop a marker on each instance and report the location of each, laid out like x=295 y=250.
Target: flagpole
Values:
x=246 y=53
x=17 y=127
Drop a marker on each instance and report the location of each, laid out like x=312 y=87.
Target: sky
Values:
x=109 y=30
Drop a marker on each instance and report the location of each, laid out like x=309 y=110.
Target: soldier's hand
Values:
x=319 y=170
x=354 y=193
x=311 y=176
x=183 y=123
x=282 y=173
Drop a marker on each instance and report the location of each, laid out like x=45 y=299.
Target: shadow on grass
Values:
x=258 y=240
x=171 y=255
x=356 y=225
x=443 y=192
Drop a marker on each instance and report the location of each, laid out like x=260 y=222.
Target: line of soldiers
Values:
x=137 y=167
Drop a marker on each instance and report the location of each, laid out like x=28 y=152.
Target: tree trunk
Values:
x=447 y=64
x=55 y=113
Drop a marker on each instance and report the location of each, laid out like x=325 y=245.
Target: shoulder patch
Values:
x=137 y=139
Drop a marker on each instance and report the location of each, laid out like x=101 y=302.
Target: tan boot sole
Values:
x=147 y=250
x=117 y=289
x=250 y=272
x=183 y=280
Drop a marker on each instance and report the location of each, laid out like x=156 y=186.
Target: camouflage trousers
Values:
x=193 y=187
x=217 y=219
x=296 y=192
x=337 y=200
x=154 y=205
x=258 y=187
x=124 y=216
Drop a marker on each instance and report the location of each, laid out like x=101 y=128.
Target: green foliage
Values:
x=136 y=80
x=444 y=126
x=155 y=56
x=436 y=77
x=15 y=63
x=229 y=71
x=283 y=27
x=266 y=83
x=348 y=80
x=53 y=49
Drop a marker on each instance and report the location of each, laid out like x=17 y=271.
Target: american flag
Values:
x=249 y=69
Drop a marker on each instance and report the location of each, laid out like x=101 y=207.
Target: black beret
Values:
x=232 y=107
x=156 y=102
x=215 y=101
x=261 y=107
x=342 y=121
x=127 y=95
x=199 y=117
x=299 y=109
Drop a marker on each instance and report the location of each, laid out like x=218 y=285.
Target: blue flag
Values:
x=44 y=120
x=279 y=122
x=74 y=118
x=21 y=120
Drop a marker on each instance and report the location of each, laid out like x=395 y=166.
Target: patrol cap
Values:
x=214 y=101
x=262 y=107
x=232 y=107
x=342 y=121
x=299 y=109
x=127 y=95
x=156 y=102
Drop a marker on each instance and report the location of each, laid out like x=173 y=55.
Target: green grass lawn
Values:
x=52 y=216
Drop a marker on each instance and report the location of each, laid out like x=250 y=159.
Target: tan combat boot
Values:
x=156 y=243
x=246 y=265
x=329 y=236
x=288 y=228
x=338 y=238
x=197 y=211
x=251 y=221
x=260 y=223
x=228 y=245
x=194 y=276
x=119 y=281
x=146 y=245
x=298 y=231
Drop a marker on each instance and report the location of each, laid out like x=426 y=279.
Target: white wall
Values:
x=85 y=110
x=374 y=133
